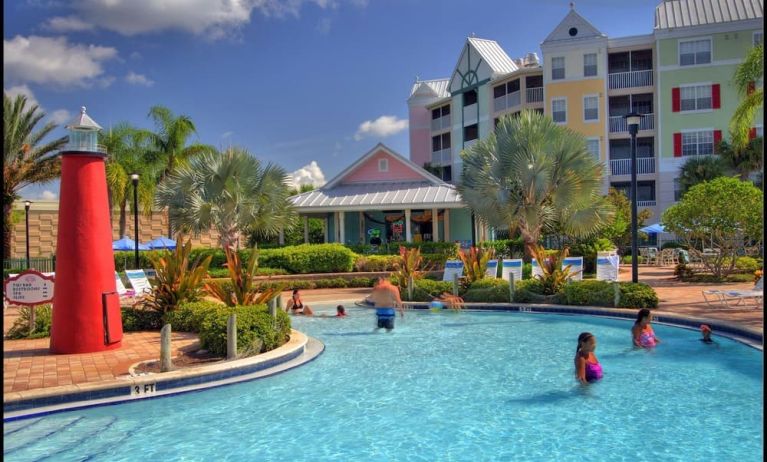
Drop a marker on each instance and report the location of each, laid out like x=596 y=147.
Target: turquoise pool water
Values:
x=442 y=386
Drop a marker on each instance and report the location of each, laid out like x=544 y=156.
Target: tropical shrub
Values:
x=242 y=290
x=553 y=276
x=588 y=250
x=176 y=279
x=43 y=321
x=488 y=290
x=375 y=263
x=224 y=272
x=257 y=330
x=427 y=289
x=637 y=295
x=589 y=293
x=528 y=291
x=506 y=248
x=140 y=319
x=475 y=262
x=188 y=316
x=448 y=249
x=747 y=264
x=310 y=258
x=409 y=268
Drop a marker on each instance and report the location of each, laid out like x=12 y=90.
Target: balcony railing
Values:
x=441 y=158
x=85 y=147
x=506 y=101
x=441 y=123
x=646 y=203
x=623 y=166
x=618 y=123
x=630 y=79
x=535 y=95
x=470 y=143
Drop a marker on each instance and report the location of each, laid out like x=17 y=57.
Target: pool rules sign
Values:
x=29 y=288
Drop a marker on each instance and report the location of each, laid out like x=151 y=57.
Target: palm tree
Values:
x=129 y=153
x=744 y=161
x=699 y=169
x=231 y=192
x=747 y=74
x=534 y=175
x=170 y=141
x=25 y=160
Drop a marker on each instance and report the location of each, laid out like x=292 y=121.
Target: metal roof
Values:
x=686 y=13
x=494 y=56
x=439 y=87
x=83 y=121
x=379 y=196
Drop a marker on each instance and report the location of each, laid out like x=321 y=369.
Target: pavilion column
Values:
x=282 y=236
x=362 y=227
x=447 y=225
x=435 y=225
x=408 y=231
x=341 y=227
x=325 y=227
x=306 y=229
x=336 y=231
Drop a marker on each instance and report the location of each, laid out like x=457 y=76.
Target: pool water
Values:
x=443 y=386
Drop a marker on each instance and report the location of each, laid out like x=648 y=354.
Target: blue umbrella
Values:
x=161 y=243
x=653 y=229
x=127 y=243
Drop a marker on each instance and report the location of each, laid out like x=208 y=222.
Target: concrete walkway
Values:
x=27 y=364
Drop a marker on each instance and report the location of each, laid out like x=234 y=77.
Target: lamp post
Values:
x=27 y=204
x=632 y=120
x=134 y=179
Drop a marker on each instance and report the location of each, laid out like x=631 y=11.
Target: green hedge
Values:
x=187 y=317
x=306 y=284
x=488 y=290
x=588 y=250
x=365 y=263
x=506 y=248
x=310 y=258
x=138 y=319
x=426 y=290
x=257 y=331
x=224 y=272
x=637 y=295
x=528 y=291
x=448 y=249
x=589 y=293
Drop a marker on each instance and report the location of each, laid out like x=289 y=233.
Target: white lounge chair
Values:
x=452 y=267
x=492 y=269
x=735 y=297
x=121 y=290
x=139 y=282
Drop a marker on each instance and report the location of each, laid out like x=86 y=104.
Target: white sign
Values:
x=144 y=389
x=29 y=288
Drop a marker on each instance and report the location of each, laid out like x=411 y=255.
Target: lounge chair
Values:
x=739 y=297
x=452 y=267
x=492 y=269
x=121 y=290
x=576 y=267
x=139 y=282
x=512 y=266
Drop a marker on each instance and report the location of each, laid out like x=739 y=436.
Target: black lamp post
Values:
x=27 y=204
x=632 y=120
x=134 y=179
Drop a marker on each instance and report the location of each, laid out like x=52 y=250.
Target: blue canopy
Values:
x=653 y=229
x=161 y=243
x=127 y=243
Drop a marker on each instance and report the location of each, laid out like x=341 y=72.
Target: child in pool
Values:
x=340 y=311
x=587 y=367
x=706 y=331
x=642 y=334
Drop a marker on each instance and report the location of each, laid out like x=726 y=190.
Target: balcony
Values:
x=618 y=123
x=441 y=124
x=630 y=79
x=470 y=143
x=623 y=166
x=506 y=101
x=646 y=203
x=84 y=146
x=535 y=95
x=441 y=158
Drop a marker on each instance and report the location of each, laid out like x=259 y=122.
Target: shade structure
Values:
x=653 y=229
x=127 y=243
x=161 y=243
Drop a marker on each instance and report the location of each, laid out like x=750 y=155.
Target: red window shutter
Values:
x=716 y=99
x=752 y=133
x=717 y=139
x=676 y=100
x=677 y=145
x=751 y=87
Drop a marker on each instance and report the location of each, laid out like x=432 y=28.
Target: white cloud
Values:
x=381 y=127
x=13 y=92
x=48 y=195
x=67 y=24
x=323 y=26
x=308 y=174
x=227 y=134
x=60 y=116
x=138 y=79
x=46 y=60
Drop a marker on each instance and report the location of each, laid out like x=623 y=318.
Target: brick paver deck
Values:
x=27 y=364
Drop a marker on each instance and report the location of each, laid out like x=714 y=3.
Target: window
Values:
x=447 y=173
x=590 y=108
x=383 y=165
x=645 y=190
x=677 y=190
x=695 y=98
x=440 y=112
x=758 y=38
x=470 y=132
x=759 y=131
x=695 y=52
x=558 y=68
x=592 y=145
x=440 y=142
x=559 y=110
x=698 y=143
x=469 y=97
x=589 y=64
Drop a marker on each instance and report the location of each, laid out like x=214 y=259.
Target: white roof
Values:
x=686 y=13
x=83 y=121
x=494 y=56
x=437 y=87
x=379 y=196
x=584 y=28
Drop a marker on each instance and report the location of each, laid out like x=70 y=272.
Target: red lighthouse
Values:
x=86 y=308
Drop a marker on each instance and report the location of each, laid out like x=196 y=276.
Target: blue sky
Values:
x=292 y=81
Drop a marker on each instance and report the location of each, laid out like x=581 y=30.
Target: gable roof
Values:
x=378 y=196
x=671 y=14
x=573 y=19
x=494 y=56
x=427 y=177
x=436 y=88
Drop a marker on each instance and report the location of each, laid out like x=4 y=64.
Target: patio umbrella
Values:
x=161 y=243
x=653 y=229
x=127 y=243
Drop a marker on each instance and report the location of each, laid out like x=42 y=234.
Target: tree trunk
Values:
x=7 y=229
x=123 y=218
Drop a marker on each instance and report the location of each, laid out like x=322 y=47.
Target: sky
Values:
x=310 y=85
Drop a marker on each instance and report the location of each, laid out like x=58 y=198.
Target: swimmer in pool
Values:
x=386 y=299
x=587 y=367
x=296 y=306
x=642 y=333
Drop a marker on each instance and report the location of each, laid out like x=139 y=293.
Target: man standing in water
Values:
x=385 y=298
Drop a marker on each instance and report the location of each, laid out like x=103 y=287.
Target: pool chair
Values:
x=121 y=290
x=733 y=298
x=139 y=282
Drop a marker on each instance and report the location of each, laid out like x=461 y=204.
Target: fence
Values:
x=44 y=265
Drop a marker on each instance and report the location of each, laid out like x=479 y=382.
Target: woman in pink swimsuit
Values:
x=587 y=367
x=642 y=334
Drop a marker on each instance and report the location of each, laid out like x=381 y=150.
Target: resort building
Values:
x=679 y=77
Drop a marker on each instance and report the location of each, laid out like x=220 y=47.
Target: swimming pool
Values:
x=442 y=386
